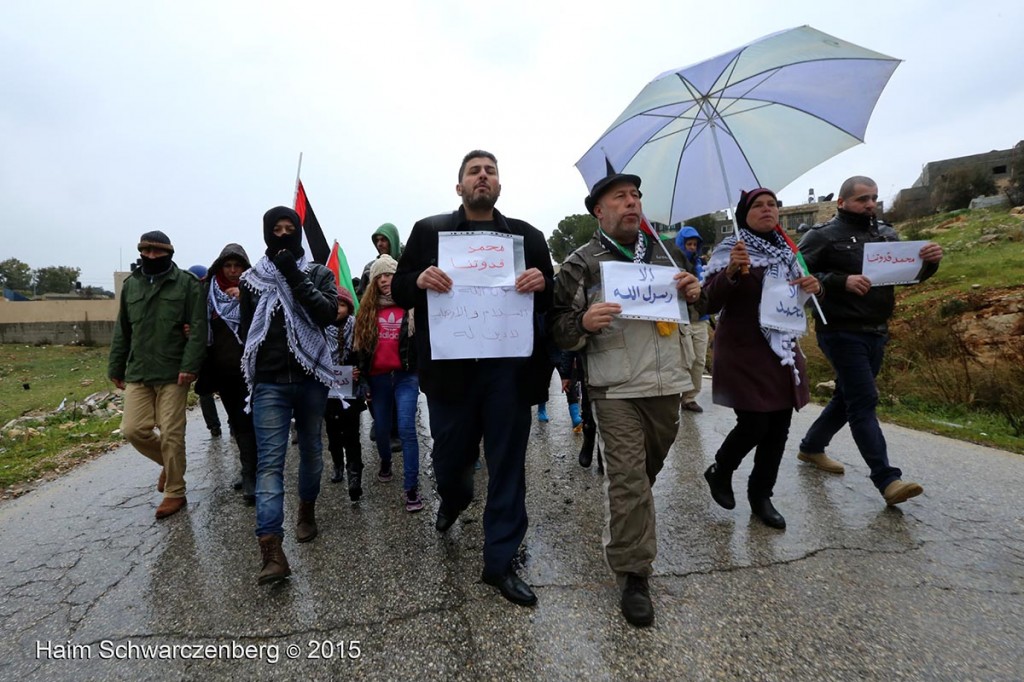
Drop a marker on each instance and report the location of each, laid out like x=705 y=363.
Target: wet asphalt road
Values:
x=94 y=588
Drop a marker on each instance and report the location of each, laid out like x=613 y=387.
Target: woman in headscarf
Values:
x=222 y=369
x=758 y=370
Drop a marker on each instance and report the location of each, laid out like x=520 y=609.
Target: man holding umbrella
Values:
x=636 y=373
x=855 y=332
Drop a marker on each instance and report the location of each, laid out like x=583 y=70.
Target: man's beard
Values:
x=481 y=202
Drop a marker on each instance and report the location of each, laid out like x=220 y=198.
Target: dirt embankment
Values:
x=994 y=326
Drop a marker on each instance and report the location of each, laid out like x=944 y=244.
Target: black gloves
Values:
x=285 y=263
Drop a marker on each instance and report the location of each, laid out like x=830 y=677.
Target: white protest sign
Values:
x=645 y=292
x=887 y=263
x=484 y=259
x=480 y=322
x=343 y=386
x=782 y=306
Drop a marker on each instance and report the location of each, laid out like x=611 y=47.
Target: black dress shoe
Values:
x=512 y=587
x=445 y=519
x=636 y=601
x=721 y=486
x=762 y=508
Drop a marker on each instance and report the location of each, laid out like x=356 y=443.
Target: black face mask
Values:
x=155 y=266
x=290 y=242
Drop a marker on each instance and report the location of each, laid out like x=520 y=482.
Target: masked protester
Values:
x=157 y=350
x=286 y=305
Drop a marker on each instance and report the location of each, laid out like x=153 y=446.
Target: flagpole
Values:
x=298 y=171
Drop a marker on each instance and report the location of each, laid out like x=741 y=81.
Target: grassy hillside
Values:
x=933 y=378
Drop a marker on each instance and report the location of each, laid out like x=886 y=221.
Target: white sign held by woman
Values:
x=782 y=306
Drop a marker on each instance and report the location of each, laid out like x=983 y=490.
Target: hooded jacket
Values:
x=694 y=258
x=314 y=290
x=391 y=232
x=224 y=353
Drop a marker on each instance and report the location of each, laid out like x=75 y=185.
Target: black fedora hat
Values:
x=604 y=184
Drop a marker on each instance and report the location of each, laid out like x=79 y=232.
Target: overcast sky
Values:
x=121 y=117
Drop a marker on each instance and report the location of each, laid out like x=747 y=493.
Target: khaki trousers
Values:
x=637 y=435
x=158 y=407
x=699 y=336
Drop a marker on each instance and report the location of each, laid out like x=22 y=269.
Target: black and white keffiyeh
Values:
x=770 y=253
x=307 y=342
x=225 y=307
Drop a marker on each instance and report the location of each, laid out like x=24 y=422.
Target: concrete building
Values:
x=916 y=199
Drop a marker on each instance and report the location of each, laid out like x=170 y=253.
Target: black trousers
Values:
x=488 y=411
x=765 y=431
x=233 y=396
x=342 y=428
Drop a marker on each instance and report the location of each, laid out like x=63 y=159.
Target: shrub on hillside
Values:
x=1015 y=189
x=955 y=189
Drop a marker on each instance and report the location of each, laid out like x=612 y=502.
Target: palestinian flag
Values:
x=338 y=264
x=318 y=248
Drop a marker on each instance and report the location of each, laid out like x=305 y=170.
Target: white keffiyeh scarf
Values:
x=225 y=307
x=307 y=342
x=779 y=262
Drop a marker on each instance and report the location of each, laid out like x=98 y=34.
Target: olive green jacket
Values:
x=150 y=345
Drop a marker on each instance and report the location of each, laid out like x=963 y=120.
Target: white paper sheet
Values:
x=480 y=322
x=782 y=306
x=645 y=292
x=485 y=259
x=887 y=263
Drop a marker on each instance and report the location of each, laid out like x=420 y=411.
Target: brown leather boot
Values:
x=170 y=506
x=161 y=481
x=275 y=563
x=305 y=529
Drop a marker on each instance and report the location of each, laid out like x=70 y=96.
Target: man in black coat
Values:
x=854 y=333
x=487 y=399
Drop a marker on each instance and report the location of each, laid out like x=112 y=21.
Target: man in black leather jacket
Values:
x=856 y=332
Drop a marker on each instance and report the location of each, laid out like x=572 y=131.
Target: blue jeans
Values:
x=856 y=358
x=273 y=406
x=397 y=391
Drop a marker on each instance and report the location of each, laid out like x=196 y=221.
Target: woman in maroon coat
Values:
x=758 y=371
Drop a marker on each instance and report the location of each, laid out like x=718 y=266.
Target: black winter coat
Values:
x=447 y=380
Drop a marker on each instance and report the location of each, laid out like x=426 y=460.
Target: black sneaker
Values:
x=636 y=601
x=384 y=475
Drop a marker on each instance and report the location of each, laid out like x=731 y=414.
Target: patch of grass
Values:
x=52 y=373
x=59 y=445
x=59 y=441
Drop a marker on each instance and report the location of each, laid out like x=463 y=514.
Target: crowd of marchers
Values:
x=269 y=336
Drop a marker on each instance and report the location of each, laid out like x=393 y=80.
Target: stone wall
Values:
x=58 y=322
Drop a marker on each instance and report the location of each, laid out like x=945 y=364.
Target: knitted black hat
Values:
x=156 y=240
